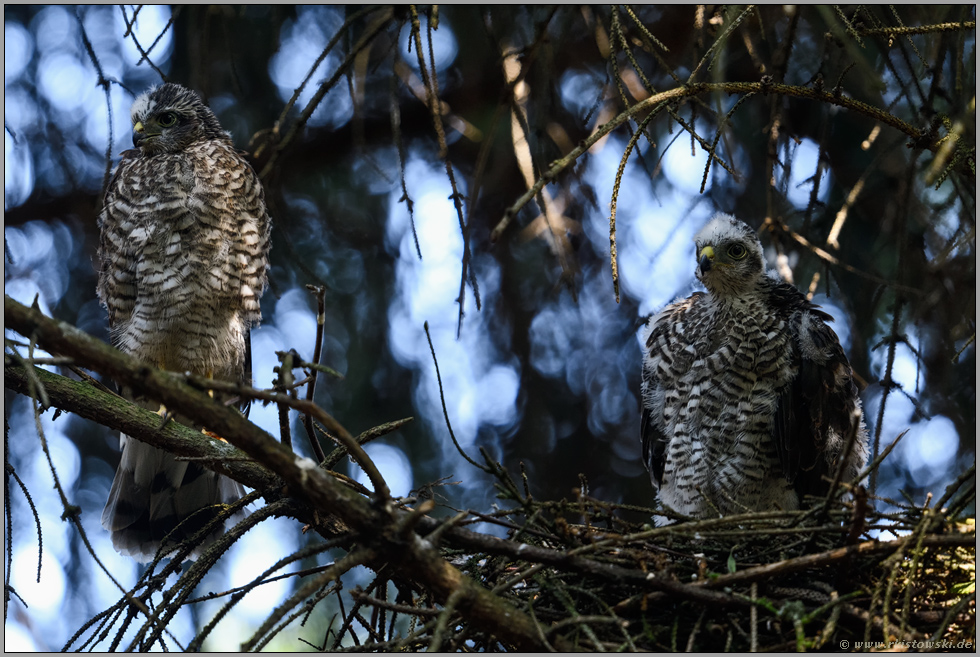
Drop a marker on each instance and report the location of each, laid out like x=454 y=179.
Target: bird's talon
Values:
x=165 y=416
x=212 y=434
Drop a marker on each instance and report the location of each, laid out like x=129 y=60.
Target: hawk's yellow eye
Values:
x=737 y=251
x=167 y=119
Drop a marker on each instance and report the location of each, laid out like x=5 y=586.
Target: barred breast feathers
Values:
x=748 y=398
x=184 y=258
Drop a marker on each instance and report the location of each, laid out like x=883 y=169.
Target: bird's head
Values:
x=729 y=256
x=169 y=118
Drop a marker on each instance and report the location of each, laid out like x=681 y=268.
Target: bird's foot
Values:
x=165 y=415
x=211 y=434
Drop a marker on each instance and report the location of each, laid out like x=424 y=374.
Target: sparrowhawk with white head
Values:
x=749 y=402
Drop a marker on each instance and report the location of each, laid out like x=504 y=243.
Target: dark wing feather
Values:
x=800 y=440
x=819 y=399
x=654 y=446
x=652 y=431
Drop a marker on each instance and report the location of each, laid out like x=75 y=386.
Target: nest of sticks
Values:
x=839 y=576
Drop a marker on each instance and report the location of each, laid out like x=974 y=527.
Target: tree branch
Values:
x=87 y=401
x=384 y=528
x=691 y=90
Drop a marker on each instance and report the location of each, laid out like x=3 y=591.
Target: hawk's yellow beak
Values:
x=705 y=258
x=139 y=133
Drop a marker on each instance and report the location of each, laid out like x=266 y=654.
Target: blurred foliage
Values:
x=888 y=235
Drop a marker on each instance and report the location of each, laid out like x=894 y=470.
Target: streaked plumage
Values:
x=748 y=398
x=184 y=251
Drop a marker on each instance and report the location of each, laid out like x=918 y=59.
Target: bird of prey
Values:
x=749 y=402
x=184 y=258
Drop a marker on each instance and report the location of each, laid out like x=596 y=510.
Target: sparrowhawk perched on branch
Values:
x=184 y=253
x=748 y=399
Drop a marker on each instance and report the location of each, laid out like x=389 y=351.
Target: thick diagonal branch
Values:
x=387 y=530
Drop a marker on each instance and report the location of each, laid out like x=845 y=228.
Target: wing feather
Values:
x=652 y=435
x=817 y=405
x=653 y=428
x=117 y=285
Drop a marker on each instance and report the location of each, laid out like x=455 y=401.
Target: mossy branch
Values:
x=387 y=530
